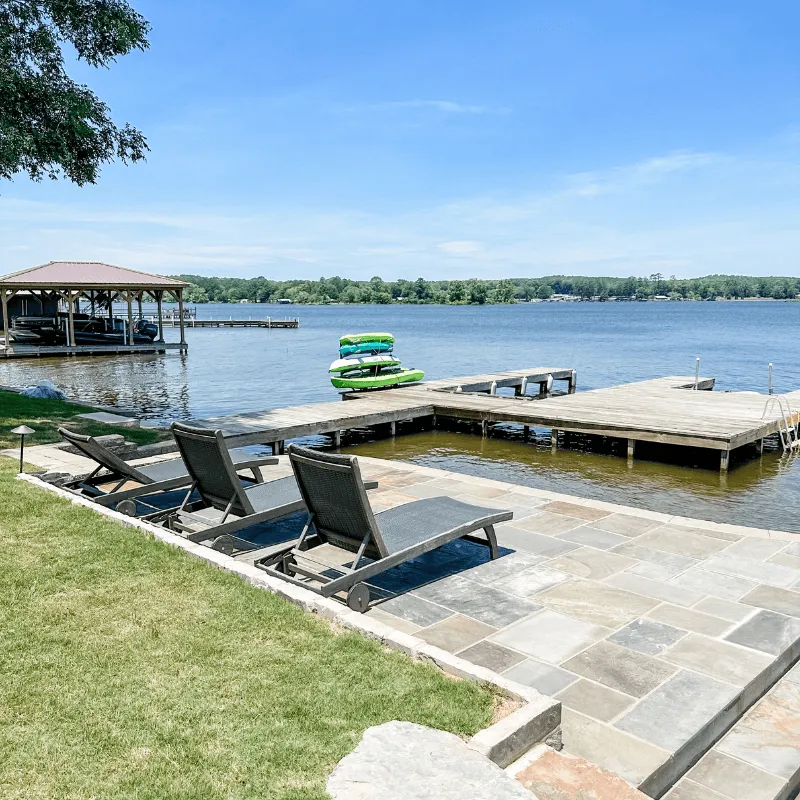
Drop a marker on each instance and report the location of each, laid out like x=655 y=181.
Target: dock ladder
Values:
x=787 y=428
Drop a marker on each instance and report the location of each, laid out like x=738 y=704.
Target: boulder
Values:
x=405 y=761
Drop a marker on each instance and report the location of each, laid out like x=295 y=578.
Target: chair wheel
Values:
x=358 y=597
x=224 y=544
x=127 y=507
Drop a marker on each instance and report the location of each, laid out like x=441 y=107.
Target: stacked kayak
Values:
x=367 y=361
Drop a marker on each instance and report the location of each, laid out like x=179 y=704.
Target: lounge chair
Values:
x=340 y=515
x=104 y=484
x=219 y=489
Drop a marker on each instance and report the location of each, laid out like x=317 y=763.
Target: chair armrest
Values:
x=260 y=461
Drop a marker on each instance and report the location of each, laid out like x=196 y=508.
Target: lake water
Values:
x=229 y=371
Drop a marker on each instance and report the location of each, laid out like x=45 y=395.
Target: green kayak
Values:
x=382 y=380
x=358 y=338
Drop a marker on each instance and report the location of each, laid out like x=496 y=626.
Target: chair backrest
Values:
x=91 y=448
x=210 y=467
x=334 y=494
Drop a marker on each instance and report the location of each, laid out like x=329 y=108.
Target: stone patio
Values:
x=651 y=630
x=654 y=632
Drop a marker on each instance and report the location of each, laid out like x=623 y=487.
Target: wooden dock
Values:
x=55 y=351
x=192 y=322
x=665 y=410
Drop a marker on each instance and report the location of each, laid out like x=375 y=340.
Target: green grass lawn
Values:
x=128 y=669
x=45 y=417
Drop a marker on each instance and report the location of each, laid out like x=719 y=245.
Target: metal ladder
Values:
x=786 y=425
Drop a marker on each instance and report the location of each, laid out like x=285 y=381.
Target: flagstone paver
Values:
x=690 y=620
x=656 y=589
x=550 y=637
x=720 y=660
x=678 y=709
x=627 y=524
x=586 y=562
x=596 y=603
x=595 y=700
x=620 y=668
x=492 y=656
x=734 y=779
x=545 y=678
x=645 y=636
x=716 y=584
x=456 y=633
x=549 y=546
x=726 y=609
x=784 y=601
x=767 y=631
x=594 y=537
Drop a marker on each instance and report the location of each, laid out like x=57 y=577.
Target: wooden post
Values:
x=337 y=439
x=484 y=428
x=129 y=296
x=5 y=317
x=554 y=439
x=724 y=459
x=573 y=382
x=631 y=448
x=760 y=446
x=159 y=298
x=392 y=429
x=71 y=324
x=526 y=431
x=180 y=313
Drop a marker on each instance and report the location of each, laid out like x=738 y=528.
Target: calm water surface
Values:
x=229 y=371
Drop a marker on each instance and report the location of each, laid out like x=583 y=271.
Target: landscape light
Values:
x=22 y=431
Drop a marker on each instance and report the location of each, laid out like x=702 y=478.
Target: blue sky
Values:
x=441 y=139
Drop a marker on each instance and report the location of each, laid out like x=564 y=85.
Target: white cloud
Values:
x=448 y=106
x=459 y=248
x=682 y=213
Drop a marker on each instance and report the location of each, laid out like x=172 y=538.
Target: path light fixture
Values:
x=22 y=431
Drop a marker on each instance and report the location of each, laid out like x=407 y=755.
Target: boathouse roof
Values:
x=86 y=275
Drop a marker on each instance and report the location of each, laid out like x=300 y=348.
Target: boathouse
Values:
x=53 y=293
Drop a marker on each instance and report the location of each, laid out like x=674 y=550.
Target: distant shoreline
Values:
x=509 y=303
x=477 y=291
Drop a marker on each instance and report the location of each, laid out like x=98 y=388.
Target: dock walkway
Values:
x=52 y=351
x=663 y=410
x=193 y=322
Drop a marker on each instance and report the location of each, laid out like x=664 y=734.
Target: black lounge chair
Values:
x=340 y=515
x=219 y=489
x=162 y=476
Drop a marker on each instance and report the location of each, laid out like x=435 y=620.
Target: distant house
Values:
x=244 y=301
x=285 y=301
x=661 y=297
x=564 y=298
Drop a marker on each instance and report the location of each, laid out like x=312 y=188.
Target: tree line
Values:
x=475 y=291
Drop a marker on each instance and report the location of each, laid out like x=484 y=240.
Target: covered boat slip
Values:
x=664 y=410
x=42 y=290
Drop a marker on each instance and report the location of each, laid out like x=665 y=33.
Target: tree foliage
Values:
x=477 y=292
x=49 y=124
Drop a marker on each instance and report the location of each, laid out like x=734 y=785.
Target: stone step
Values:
x=758 y=759
x=555 y=776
